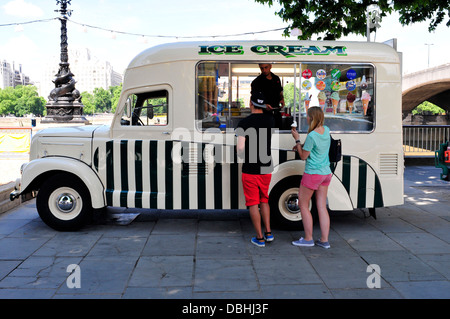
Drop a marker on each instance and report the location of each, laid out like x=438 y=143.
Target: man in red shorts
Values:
x=253 y=145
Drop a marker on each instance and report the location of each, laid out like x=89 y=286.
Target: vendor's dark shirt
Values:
x=270 y=88
x=257 y=129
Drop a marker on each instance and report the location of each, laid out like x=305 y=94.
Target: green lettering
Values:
x=233 y=49
x=259 y=49
x=279 y=49
x=286 y=51
x=312 y=50
x=339 y=50
x=216 y=49
x=203 y=50
x=295 y=49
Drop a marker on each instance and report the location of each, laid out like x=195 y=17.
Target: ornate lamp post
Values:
x=64 y=105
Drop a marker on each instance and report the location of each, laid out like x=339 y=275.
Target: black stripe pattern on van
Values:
x=170 y=175
x=178 y=175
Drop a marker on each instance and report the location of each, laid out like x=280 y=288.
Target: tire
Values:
x=64 y=203
x=283 y=201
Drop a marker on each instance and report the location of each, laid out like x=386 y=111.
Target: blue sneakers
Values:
x=303 y=243
x=309 y=243
x=268 y=236
x=257 y=242
x=325 y=245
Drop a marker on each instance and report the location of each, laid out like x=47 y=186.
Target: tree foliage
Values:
x=428 y=108
x=288 y=92
x=333 y=19
x=21 y=100
x=101 y=101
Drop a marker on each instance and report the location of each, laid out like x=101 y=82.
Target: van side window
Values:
x=224 y=90
x=147 y=109
x=222 y=96
x=209 y=92
x=345 y=92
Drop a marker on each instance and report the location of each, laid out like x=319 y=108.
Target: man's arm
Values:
x=240 y=146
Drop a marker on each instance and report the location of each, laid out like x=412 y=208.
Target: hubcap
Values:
x=288 y=205
x=66 y=203
x=291 y=204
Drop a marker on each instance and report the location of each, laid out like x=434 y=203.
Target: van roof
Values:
x=274 y=50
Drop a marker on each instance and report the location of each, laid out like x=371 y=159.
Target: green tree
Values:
x=28 y=101
x=288 y=92
x=21 y=100
x=428 y=108
x=88 y=101
x=115 y=96
x=102 y=100
x=7 y=101
x=337 y=18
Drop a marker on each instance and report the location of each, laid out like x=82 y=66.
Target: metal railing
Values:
x=424 y=140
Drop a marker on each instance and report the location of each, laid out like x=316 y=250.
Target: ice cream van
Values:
x=172 y=142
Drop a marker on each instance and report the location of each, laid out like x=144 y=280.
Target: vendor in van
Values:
x=270 y=85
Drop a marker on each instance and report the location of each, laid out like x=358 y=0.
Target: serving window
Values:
x=345 y=92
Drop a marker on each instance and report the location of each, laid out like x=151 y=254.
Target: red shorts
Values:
x=256 y=188
x=313 y=181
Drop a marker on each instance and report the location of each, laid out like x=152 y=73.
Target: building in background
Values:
x=10 y=77
x=89 y=72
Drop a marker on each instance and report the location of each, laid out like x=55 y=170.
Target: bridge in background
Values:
x=432 y=85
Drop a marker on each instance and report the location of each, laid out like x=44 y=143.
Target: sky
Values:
x=35 y=43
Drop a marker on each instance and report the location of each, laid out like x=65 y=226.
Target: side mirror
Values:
x=150 y=112
x=128 y=104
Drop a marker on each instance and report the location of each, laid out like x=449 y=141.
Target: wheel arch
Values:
x=338 y=197
x=39 y=170
x=286 y=169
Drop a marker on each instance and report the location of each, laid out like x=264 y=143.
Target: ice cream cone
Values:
x=307 y=105
x=365 y=105
x=322 y=104
x=350 y=107
x=365 y=98
x=350 y=99
x=335 y=103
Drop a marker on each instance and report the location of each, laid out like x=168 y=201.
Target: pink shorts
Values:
x=256 y=188
x=313 y=181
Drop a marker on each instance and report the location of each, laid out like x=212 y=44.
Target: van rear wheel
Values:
x=284 y=208
x=64 y=203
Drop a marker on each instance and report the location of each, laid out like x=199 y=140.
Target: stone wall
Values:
x=410 y=119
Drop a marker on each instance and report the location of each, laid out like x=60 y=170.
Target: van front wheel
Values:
x=284 y=208
x=64 y=203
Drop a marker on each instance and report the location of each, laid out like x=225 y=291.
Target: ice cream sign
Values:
x=287 y=51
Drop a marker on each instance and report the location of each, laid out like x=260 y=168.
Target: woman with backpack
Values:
x=316 y=178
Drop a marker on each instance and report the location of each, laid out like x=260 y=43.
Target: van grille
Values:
x=388 y=164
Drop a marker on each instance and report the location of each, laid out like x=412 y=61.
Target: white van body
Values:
x=184 y=156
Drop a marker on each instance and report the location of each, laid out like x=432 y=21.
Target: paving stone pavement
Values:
x=208 y=255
